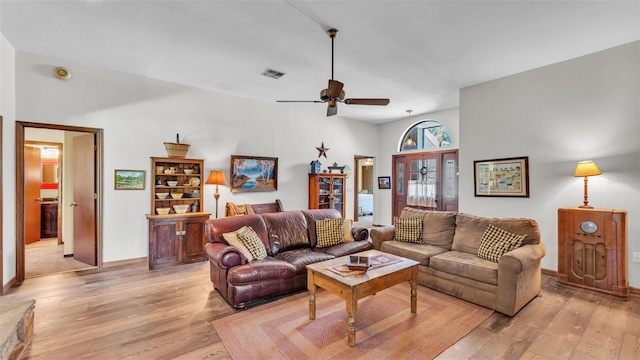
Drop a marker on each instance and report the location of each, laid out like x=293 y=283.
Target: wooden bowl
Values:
x=176 y=195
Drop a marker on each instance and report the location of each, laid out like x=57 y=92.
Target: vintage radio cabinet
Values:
x=592 y=249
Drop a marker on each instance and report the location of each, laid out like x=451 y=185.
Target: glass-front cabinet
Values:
x=327 y=191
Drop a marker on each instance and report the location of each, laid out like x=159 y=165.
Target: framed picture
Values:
x=253 y=173
x=502 y=177
x=129 y=180
x=384 y=182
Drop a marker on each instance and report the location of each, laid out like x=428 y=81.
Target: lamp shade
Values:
x=216 y=177
x=586 y=168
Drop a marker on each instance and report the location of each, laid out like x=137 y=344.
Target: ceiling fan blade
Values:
x=332 y=108
x=299 y=101
x=381 y=102
x=334 y=88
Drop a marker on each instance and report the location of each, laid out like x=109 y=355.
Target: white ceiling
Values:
x=417 y=53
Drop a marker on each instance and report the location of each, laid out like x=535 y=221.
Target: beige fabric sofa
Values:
x=449 y=262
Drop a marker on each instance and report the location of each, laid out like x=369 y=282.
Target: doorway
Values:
x=363 y=209
x=63 y=250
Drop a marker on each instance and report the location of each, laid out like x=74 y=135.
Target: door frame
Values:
x=99 y=177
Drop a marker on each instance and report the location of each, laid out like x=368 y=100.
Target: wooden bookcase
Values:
x=592 y=249
x=176 y=238
x=322 y=187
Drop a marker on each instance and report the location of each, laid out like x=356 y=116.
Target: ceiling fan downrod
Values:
x=332 y=34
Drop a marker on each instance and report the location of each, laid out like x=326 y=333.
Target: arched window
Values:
x=425 y=135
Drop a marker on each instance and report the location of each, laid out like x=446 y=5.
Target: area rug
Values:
x=385 y=326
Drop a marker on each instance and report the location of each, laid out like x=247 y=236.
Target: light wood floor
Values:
x=129 y=312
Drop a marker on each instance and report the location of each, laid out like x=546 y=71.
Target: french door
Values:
x=425 y=180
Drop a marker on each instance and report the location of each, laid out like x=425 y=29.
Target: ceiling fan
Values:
x=334 y=94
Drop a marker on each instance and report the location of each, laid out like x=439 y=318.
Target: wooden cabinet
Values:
x=176 y=237
x=327 y=190
x=177 y=177
x=48 y=220
x=592 y=249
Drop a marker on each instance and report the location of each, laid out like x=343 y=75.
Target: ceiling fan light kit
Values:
x=334 y=93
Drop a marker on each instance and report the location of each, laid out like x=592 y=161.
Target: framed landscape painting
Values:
x=129 y=179
x=253 y=173
x=507 y=177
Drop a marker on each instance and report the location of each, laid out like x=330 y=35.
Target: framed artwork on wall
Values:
x=508 y=177
x=129 y=179
x=384 y=182
x=253 y=173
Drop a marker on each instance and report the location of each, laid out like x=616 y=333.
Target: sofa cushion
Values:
x=466 y=265
x=469 y=230
x=300 y=258
x=318 y=214
x=438 y=227
x=417 y=252
x=407 y=229
x=346 y=248
x=329 y=232
x=256 y=271
x=252 y=242
x=232 y=239
x=497 y=242
x=288 y=228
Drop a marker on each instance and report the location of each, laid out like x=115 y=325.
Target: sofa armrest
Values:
x=360 y=233
x=519 y=259
x=224 y=256
x=381 y=234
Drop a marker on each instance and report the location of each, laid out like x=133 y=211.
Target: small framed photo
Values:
x=507 y=177
x=384 y=182
x=129 y=179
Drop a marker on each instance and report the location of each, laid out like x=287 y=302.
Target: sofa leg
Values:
x=242 y=306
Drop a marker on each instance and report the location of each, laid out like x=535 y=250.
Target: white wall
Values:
x=582 y=109
x=8 y=111
x=139 y=114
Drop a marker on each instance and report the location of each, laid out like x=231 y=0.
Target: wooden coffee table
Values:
x=352 y=288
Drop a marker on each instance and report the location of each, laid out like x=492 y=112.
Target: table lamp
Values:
x=586 y=169
x=216 y=177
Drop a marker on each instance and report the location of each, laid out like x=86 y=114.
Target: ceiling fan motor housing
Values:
x=324 y=95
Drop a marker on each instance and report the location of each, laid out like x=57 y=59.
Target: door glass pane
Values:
x=421 y=185
x=449 y=179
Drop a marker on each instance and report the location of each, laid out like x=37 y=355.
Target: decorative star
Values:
x=323 y=150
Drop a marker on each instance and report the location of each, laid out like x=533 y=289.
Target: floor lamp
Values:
x=216 y=177
x=586 y=169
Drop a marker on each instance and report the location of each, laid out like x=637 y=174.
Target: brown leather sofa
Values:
x=290 y=240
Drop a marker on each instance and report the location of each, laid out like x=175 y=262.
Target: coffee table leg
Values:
x=312 y=296
x=414 y=290
x=352 y=308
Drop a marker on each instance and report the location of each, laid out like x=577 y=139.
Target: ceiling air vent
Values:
x=274 y=74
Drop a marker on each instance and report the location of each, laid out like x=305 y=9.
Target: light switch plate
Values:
x=636 y=257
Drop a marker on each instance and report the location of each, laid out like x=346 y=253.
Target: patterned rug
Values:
x=385 y=326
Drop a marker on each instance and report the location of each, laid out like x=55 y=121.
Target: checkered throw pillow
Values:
x=408 y=229
x=252 y=242
x=497 y=242
x=232 y=239
x=329 y=232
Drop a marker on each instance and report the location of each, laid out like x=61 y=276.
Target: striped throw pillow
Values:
x=408 y=229
x=252 y=242
x=329 y=232
x=497 y=242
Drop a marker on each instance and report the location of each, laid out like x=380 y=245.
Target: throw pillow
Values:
x=348 y=225
x=329 y=232
x=408 y=229
x=252 y=241
x=497 y=242
x=232 y=239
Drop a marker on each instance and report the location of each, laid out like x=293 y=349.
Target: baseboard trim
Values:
x=632 y=290
x=135 y=261
x=8 y=285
